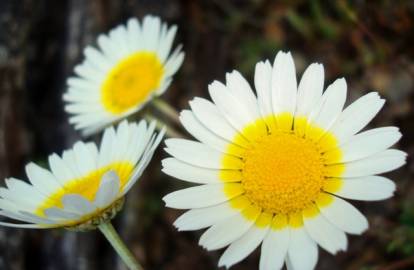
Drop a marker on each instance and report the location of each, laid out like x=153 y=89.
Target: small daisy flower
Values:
x=85 y=187
x=275 y=169
x=132 y=65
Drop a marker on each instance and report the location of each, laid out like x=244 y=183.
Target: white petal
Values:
x=330 y=106
x=138 y=139
x=10 y=207
x=325 y=234
x=60 y=214
x=11 y=210
x=234 y=111
x=19 y=216
x=289 y=265
x=28 y=226
x=263 y=85
x=212 y=118
x=199 y=196
x=303 y=251
x=201 y=218
x=200 y=132
x=78 y=108
x=42 y=179
x=150 y=30
x=93 y=150
x=89 y=72
x=121 y=140
x=98 y=59
x=80 y=95
x=369 y=143
x=68 y=158
x=119 y=37
x=166 y=82
x=108 y=190
x=199 y=154
x=183 y=171
x=21 y=203
x=284 y=85
x=108 y=46
x=369 y=188
x=174 y=62
x=90 y=130
x=107 y=146
x=80 y=83
x=146 y=157
x=134 y=34
x=344 y=215
x=161 y=35
x=77 y=204
x=86 y=120
x=310 y=89
x=356 y=116
x=36 y=218
x=225 y=232
x=274 y=249
x=22 y=194
x=242 y=247
x=241 y=90
x=382 y=162
x=84 y=159
x=166 y=43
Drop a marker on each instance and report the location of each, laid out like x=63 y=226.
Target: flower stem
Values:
x=169 y=131
x=112 y=236
x=166 y=109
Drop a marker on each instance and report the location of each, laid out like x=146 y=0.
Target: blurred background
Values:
x=370 y=43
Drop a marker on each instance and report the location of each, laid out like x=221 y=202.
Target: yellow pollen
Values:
x=131 y=82
x=87 y=186
x=284 y=167
x=283 y=173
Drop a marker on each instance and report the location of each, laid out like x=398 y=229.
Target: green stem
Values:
x=112 y=236
x=169 y=131
x=166 y=109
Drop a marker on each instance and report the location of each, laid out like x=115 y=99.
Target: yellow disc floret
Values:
x=285 y=168
x=87 y=186
x=131 y=82
x=283 y=173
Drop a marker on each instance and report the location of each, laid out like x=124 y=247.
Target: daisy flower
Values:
x=85 y=187
x=275 y=169
x=132 y=65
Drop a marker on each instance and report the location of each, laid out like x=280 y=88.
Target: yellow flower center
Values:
x=86 y=186
x=131 y=82
x=283 y=165
x=282 y=173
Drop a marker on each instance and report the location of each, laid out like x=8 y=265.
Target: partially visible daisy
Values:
x=132 y=65
x=275 y=168
x=84 y=189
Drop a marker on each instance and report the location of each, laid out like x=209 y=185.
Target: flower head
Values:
x=85 y=186
x=132 y=65
x=275 y=168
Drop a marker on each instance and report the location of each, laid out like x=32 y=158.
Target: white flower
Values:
x=132 y=65
x=84 y=187
x=275 y=168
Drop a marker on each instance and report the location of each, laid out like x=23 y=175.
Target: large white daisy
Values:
x=275 y=168
x=132 y=65
x=85 y=187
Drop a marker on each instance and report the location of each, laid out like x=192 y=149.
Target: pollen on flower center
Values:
x=131 y=81
x=283 y=172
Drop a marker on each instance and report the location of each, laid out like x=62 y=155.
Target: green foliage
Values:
x=403 y=236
